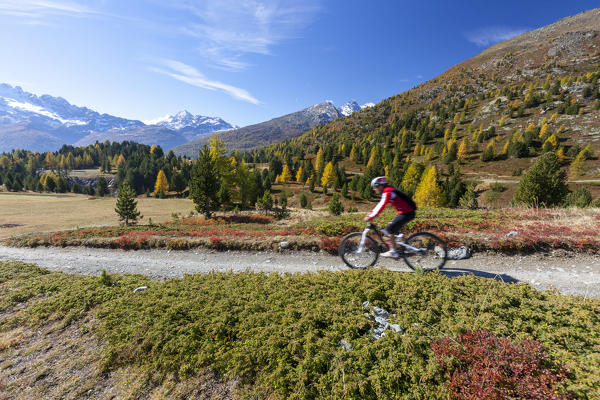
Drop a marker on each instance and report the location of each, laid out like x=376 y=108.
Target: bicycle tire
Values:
x=351 y=258
x=433 y=255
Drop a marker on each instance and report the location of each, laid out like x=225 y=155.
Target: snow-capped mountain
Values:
x=192 y=126
x=349 y=108
x=45 y=123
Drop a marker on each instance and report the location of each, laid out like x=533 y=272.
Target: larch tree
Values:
x=329 y=176
x=126 y=206
x=161 y=187
x=463 y=150
x=286 y=175
x=411 y=177
x=429 y=192
x=319 y=159
x=299 y=175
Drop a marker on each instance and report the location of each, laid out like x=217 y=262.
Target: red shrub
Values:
x=483 y=366
x=215 y=241
x=331 y=244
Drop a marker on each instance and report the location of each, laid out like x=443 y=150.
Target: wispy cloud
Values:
x=228 y=30
x=493 y=34
x=192 y=76
x=37 y=9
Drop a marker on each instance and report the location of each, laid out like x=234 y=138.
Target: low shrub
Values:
x=482 y=366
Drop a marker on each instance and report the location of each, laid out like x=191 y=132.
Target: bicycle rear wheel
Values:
x=425 y=251
x=349 y=251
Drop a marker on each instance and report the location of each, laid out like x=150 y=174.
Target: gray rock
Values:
x=283 y=245
x=458 y=253
x=512 y=233
x=345 y=345
x=140 y=289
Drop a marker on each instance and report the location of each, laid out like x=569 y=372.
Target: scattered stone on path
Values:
x=458 y=253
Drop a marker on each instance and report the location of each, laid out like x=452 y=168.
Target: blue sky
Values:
x=247 y=61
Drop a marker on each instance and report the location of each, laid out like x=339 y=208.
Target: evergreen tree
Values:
x=544 y=184
x=101 y=187
x=303 y=200
x=335 y=205
x=161 y=187
x=178 y=182
x=205 y=183
x=127 y=205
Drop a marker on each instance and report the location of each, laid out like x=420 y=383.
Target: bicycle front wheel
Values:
x=424 y=251
x=353 y=255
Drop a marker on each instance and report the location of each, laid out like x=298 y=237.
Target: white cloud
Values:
x=227 y=30
x=33 y=9
x=486 y=36
x=192 y=76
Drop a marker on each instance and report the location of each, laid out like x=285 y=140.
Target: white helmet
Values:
x=380 y=180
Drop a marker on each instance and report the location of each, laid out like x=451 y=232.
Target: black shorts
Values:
x=398 y=222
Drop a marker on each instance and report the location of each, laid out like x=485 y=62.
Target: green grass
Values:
x=279 y=335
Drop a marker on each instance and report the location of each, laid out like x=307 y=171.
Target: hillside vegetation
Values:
x=247 y=335
x=490 y=117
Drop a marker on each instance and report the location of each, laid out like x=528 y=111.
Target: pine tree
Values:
x=429 y=192
x=544 y=184
x=161 y=187
x=335 y=205
x=102 y=187
x=205 y=183
x=127 y=205
x=329 y=176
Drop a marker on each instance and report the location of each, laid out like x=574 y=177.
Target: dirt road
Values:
x=570 y=274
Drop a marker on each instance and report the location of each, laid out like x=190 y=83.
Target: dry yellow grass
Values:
x=36 y=212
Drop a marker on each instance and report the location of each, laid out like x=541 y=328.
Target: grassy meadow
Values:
x=28 y=212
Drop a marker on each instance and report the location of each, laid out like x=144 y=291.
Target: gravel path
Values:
x=570 y=274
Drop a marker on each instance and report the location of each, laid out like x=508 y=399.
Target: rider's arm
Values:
x=380 y=206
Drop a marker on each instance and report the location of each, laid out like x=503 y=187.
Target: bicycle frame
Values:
x=381 y=241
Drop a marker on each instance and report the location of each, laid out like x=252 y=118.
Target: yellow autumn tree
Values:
x=429 y=192
x=374 y=156
x=411 y=177
x=286 y=175
x=463 y=150
x=161 y=187
x=328 y=178
x=543 y=130
x=120 y=160
x=299 y=175
x=319 y=160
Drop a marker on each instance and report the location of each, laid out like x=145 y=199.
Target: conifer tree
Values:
x=127 y=205
x=463 y=150
x=329 y=176
x=544 y=184
x=205 y=183
x=319 y=160
x=412 y=177
x=102 y=187
x=161 y=187
x=286 y=175
x=429 y=192
x=299 y=175
x=335 y=205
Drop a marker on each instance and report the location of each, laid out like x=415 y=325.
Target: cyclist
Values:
x=404 y=205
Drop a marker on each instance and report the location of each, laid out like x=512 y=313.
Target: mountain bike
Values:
x=421 y=251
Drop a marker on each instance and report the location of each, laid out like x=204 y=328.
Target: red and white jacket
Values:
x=391 y=195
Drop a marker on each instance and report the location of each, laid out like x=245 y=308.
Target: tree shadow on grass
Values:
x=453 y=272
